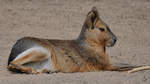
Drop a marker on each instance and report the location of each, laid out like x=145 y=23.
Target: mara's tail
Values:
x=129 y=69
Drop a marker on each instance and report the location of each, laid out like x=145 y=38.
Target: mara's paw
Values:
x=46 y=71
x=21 y=69
x=13 y=67
x=50 y=72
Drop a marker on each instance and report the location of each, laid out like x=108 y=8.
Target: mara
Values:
x=87 y=53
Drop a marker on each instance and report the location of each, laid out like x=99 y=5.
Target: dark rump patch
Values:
x=20 y=46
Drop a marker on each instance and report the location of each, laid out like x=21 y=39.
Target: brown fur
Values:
x=84 y=54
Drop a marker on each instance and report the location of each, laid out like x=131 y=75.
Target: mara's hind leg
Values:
x=35 y=54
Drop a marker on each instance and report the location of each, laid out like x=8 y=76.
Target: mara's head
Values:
x=96 y=30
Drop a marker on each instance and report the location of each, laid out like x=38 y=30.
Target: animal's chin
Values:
x=110 y=44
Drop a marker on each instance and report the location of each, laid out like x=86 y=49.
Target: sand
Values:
x=63 y=19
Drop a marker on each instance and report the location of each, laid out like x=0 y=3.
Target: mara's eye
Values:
x=101 y=29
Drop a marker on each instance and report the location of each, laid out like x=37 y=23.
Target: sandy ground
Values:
x=62 y=19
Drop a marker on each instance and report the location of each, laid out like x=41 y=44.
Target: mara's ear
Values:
x=92 y=17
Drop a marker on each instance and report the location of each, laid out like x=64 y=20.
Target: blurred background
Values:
x=129 y=20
